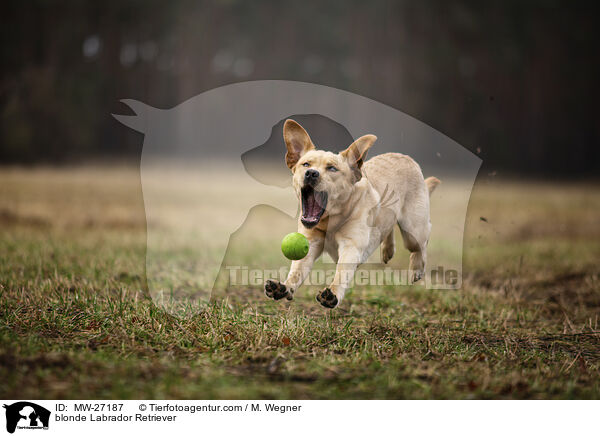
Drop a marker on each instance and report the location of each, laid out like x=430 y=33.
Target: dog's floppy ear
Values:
x=297 y=142
x=357 y=153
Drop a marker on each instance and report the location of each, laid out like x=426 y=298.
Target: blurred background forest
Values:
x=515 y=82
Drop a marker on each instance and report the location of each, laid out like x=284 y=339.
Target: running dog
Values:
x=350 y=206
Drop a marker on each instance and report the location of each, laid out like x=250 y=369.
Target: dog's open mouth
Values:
x=313 y=206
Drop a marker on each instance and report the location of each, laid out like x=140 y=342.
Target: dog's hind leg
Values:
x=388 y=247
x=418 y=254
x=415 y=233
x=416 y=227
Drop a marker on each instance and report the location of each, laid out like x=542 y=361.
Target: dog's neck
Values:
x=360 y=190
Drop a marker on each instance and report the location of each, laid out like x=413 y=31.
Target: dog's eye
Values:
x=331 y=168
x=305 y=164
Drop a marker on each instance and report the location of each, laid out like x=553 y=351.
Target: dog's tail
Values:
x=432 y=183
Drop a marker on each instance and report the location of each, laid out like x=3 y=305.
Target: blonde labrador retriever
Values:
x=350 y=207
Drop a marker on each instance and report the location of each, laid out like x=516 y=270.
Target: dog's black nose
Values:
x=311 y=175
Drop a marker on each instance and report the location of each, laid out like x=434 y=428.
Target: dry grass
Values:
x=75 y=320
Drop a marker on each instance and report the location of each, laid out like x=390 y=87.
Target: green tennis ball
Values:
x=294 y=246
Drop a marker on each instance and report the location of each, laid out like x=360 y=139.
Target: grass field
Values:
x=75 y=321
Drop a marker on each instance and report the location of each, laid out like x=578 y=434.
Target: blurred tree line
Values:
x=515 y=81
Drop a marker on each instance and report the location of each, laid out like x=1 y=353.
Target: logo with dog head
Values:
x=26 y=415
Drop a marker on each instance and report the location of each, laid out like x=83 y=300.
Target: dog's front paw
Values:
x=277 y=291
x=327 y=298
